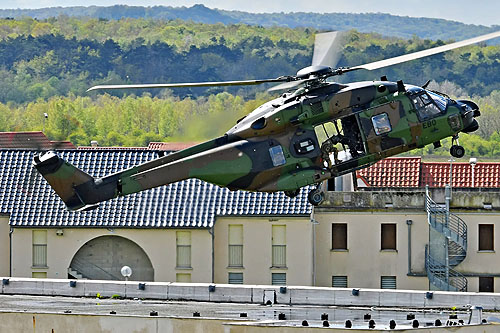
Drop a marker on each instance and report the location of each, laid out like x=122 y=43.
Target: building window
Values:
x=39 y=248
x=388 y=282
x=235 y=278
x=235 y=242
x=278 y=278
x=388 y=236
x=39 y=275
x=279 y=246
x=339 y=236
x=486 y=237
x=339 y=281
x=486 y=284
x=183 y=277
x=183 y=239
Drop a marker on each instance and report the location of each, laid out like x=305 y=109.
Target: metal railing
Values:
x=454 y=230
x=90 y=270
x=443 y=277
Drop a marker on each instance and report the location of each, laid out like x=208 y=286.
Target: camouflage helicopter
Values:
x=314 y=131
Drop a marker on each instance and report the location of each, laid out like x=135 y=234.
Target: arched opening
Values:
x=103 y=257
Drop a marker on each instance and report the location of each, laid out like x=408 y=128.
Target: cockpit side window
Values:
x=425 y=106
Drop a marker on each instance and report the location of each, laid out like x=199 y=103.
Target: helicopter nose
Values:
x=473 y=126
x=470 y=110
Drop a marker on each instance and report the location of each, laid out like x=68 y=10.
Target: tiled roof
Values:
x=30 y=201
x=397 y=172
x=437 y=174
x=170 y=146
x=30 y=140
x=109 y=148
x=392 y=172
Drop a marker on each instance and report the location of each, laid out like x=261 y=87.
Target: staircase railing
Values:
x=443 y=277
x=455 y=230
x=91 y=271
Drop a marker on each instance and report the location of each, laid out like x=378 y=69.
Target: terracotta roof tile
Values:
x=392 y=172
x=30 y=140
x=412 y=172
x=170 y=146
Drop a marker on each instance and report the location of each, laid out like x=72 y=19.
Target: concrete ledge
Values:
x=231 y=293
x=188 y=292
x=152 y=290
x=292 y=295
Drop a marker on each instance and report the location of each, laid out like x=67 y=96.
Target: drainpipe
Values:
x=211 y=232
x=10 y=251
x=314 y=222
x=409 y=223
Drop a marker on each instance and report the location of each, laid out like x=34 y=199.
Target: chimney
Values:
x=94 y=143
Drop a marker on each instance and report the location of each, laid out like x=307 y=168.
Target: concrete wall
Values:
x=364 y=262
x=159 y=245
x=4 y=245
x=256 y=294
x=484 y=262
x=257 y=250
x=52 y=322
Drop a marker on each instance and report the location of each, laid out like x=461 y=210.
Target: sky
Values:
x=483 y=12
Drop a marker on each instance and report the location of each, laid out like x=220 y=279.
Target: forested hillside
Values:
x=61 y=56
x=385 y=24
x=47 y=65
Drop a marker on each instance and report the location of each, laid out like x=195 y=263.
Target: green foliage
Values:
x=46 y=67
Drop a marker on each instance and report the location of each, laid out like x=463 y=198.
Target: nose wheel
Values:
x=456 y=150
x=316 y=197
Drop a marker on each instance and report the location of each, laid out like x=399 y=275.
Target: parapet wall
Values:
x=256 y=294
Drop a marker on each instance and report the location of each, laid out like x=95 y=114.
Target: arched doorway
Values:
x=103 y=257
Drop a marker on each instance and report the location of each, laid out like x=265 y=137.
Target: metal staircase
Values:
x=447 y=246
x=84 y=269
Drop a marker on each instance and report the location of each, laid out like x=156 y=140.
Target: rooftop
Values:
x=192 y=203
x=31 y=140
x=412 y=172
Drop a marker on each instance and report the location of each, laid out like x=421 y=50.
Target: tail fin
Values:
x=70 y=183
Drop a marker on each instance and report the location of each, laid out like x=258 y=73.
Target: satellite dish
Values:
x=126 y=272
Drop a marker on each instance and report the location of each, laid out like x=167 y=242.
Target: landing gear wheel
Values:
x=292 y=194
x=316 y=197
x=457 y=151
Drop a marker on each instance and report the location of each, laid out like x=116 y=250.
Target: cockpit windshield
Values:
x=440 y=101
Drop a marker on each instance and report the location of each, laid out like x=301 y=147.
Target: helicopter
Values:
x=314 y=131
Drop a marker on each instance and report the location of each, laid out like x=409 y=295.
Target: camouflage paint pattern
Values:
x=275 y=148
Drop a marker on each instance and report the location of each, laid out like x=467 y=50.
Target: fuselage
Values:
x=277 y=147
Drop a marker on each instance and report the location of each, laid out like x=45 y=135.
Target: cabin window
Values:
x=381 y=123
x=277 y=155
x=425 y=107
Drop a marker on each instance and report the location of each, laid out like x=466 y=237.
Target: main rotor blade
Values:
x=328 y=48
x=425 y=53
x=188 y=84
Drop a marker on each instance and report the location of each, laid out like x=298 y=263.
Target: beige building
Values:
x=192 y=231
x=165 y=234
